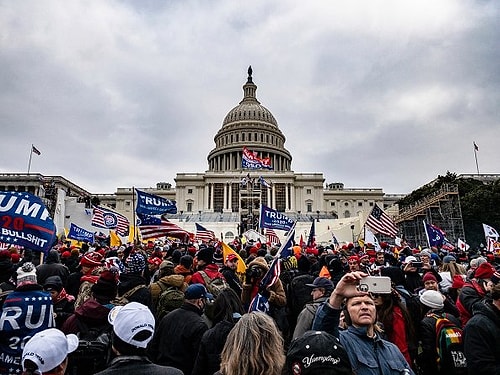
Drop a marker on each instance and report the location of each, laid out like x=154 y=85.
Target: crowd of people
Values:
x=184 y=309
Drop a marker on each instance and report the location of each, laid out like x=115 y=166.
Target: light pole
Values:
x=352 y=232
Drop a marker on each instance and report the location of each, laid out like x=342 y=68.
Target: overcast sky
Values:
x=384 y=94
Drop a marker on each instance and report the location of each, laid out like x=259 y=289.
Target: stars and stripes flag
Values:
x=272 y=237
x=203 y=234
x=156 y=227
x=260 y=302
x=108 y=219
x=380 y=222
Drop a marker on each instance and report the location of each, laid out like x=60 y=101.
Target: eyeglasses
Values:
x=352 y=263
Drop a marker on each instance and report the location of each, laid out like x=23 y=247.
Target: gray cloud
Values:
x=371 y=93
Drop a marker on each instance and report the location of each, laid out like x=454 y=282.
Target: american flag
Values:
x=272 y=237
x=203 y=234
x=156 y=227
x=35 y=150
x=380 y=222
x=105 y=218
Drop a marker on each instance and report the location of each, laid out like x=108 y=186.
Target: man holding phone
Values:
x=367 y=351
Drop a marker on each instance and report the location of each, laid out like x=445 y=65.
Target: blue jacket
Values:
x=367 y=355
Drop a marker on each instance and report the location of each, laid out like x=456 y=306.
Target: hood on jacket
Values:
x=53 y=257
x=92 y=312
x=174 y=280
x=261 y=262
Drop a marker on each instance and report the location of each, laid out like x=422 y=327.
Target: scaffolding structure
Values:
x=441 y=208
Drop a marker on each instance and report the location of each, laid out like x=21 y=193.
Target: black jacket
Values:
x=177 y=339
x=128 y=281
x=211 y=346
x=137 y=365
x=482 y=340
x=427 y=360
x=232 y=279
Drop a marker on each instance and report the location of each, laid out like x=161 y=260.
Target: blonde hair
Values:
x=453 y=268
x=253 y=347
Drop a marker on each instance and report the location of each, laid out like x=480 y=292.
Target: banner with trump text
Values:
x=273 y=219
x=25 y=221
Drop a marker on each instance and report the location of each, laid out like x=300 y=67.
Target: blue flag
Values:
x=80 y=234
x=26 y=221
x=23 y=314
x=311 y=241
x=435 y=236
x=150 y=204
x=273 y=219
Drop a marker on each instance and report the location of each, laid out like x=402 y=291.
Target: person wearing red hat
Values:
x=91 y=267
x=474 y=292
x=229 y=273
x=353 y=262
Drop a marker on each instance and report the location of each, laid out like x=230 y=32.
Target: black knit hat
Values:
x=207 y=255
x=106 y=286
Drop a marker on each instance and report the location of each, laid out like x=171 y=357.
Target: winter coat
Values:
x=427 y=359
x=128 y=281
x=211 y=345
x=133 y=364
x=306 y=317
x=277 y=294
x=232 y=279
x=177 y=338
x=471 y=294
x=181 y=270
x=165 y=282
x=482 y=340
x=43 y=271
x=367 y=355
x=91 y=313
x=212 y=271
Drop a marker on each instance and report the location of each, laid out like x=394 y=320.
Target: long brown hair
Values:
x=253 y=347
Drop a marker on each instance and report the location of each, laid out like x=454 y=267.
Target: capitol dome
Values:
x=250 y=125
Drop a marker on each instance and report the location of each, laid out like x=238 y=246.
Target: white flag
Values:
x=370 y=238
x=462 y=245
x=490 y=232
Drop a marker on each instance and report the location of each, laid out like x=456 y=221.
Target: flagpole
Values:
x=136 y=239
x=29 y=162
x=475 y=156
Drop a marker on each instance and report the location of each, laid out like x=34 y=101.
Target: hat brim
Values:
x=73 y=342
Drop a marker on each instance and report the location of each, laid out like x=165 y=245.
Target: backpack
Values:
x=124 y=299
x=170 y=299
x=93 y=352
x=299 y=294
x=215 y=285
x=449 y=345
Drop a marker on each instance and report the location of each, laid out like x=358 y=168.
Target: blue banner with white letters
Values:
x=24 y=313
x=25 y=221
x=150 y=204
x=273 y=219
x=80 y=234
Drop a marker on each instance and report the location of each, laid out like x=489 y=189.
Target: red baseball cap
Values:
x=231 y=257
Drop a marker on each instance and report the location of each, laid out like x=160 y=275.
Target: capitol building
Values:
x=226 y=197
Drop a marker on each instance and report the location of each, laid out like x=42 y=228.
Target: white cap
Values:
x=131 y=319
x=409 y=259
x=49 y=348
